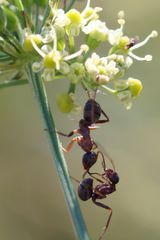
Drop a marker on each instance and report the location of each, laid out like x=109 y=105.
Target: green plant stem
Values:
x=11 y=83
x=40 y=91
x=108 y=89
x=36 y=16
x=70 y=5
x=71 y=44
x=46 y=14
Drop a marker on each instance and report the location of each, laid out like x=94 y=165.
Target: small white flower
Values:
x=101 y=70
x=97 y=30
x=61 y=18
x=114 y=36
x=111 y=69
x=77 y=72
x=91 y=65
x=128 y=62
x=48 y=75
x=64 y=68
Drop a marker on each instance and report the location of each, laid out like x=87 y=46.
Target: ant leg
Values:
x=69 y=134
x=84 y=174
x=109 y=218
x=103 y=160
x=103 y=120
x=93 y=127
x=95 y=146
x=75 y=179
x=97 y=179
x=108 y=157
x=70 y=144
x=104 y=114
x=91 y=174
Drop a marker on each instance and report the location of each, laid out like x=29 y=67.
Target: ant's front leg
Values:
x=70 y=144
x=69 y=134
x=109 y=218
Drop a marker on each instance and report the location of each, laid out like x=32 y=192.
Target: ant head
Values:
x=112 y=175
x=85 y=189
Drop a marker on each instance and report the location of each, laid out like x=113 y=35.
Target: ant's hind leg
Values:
x=109 y=218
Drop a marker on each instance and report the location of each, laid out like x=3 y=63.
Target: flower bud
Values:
x=135 y=86
x=28 y=43
x=52 y=60
x=74 y=16
x=97 y=30
x=88 y=12
x=65 y=102
x=124 y=41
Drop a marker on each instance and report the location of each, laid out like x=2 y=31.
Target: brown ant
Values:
x=92 y=112
x=106 y=186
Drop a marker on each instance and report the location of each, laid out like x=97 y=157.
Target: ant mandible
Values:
x=107 y=186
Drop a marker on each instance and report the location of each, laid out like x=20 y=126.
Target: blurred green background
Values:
x=32 y=206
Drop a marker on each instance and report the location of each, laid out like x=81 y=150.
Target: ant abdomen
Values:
x=89 y=159
x=85 y=189
x=92 y=111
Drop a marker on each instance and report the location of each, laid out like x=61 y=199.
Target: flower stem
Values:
x=46 y=14
x=109 y=89
x=70 y=5
x=60 y=163
x=11 y=83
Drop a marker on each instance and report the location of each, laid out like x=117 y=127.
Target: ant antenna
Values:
x=108 y=157
x=111 y=160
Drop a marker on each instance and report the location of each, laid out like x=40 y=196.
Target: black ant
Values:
x=107 y=185
x=92 y=112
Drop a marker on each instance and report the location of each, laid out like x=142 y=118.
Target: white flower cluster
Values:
x=56 y=53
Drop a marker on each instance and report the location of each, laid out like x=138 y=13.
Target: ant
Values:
x=132 y=42
x=107 y=186
x=92 y=112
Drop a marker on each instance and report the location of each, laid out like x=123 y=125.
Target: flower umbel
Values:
x=54 y=52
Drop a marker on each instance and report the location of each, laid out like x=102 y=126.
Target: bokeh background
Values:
x=32 y=206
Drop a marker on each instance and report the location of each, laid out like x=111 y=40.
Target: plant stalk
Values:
x=60 y=163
